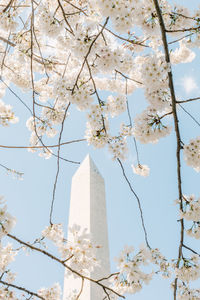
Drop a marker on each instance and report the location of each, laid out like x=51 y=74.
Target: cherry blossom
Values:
x=92 y=56
x=142 y=170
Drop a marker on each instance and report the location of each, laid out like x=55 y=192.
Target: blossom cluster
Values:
x=187 y=293
x=191 y=212
x=7 y=221
x=7 y=115
x=76 y=58
x=52 y=293
x=7 y=294
x=7 y=255
x=92 y=58
x=135 y=270
x=65 y=54
x=131 y=277
x=142 y=170
x=78 y=250
x=189 y=270
x=149 y=127
x=132 y=273
x=192 y=154
x=154 y=73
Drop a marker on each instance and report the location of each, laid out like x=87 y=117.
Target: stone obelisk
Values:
x=88 y=209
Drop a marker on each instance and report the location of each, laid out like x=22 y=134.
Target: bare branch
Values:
x=82 y=285
x=138 y=201
x=40 y=147
x=188 y=100
x=58 y=164
x=20 y=289
x=7 y=6
x=190 y=249
x=190 y=115
x=64 y=16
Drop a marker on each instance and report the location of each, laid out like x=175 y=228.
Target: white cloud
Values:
x=189 y=84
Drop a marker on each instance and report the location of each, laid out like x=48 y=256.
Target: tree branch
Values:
x=177 y=131
x=64 y=264
x=138 y=201
x=20 y=289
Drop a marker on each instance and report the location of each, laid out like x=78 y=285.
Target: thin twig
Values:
x=189 y=114
x=21 y=289
x=78 y=8
x=39 y=147
x=81 y=290
x=58 y=165
x=190 y=249
x=188 y=100
x=138 y=201
x=127 y=40
x=64 y=16
x=126 y=77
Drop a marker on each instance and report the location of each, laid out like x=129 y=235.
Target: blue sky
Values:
x=29 y=200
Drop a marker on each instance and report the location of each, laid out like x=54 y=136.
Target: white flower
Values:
x=78 y=250
x=7 y=222
x=142 y=170
x=7 y=255
x=191 y=208
x=192 y=154
x=116 y=105
x=148 y=126
x=182 y=55
x=190 y=270
x=6 y=114
x=54 y=232
x=117 y=146
x=53 y=293
x=131 y=277
x=187 y=293
x=46 y=153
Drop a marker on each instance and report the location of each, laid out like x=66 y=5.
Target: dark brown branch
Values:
x=108 y=277
x=167 y=114
x=76 y=7
x=64 y=16
x=177 y=131
x=20 y=289
x=190 y=249
x=7 y=41
x=7 y=6
x=63 y=263
x=188 y=100
x=184 y=29
x=127 y=40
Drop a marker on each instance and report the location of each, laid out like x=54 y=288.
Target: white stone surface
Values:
x=88 y=209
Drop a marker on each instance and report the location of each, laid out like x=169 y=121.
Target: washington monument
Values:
x=88 y=210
